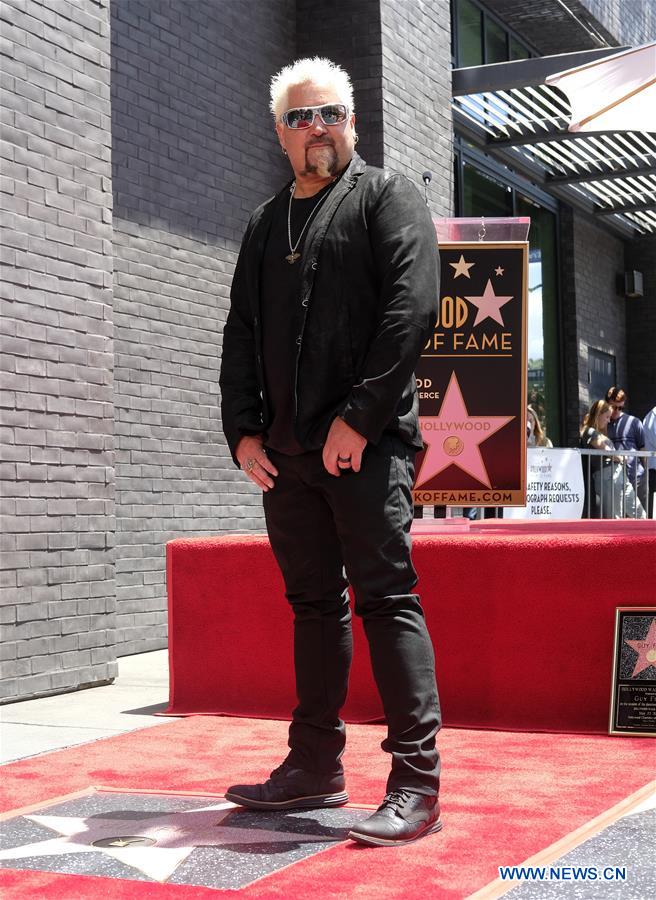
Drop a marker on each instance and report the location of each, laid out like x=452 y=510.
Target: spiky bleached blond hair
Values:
x=316 y=70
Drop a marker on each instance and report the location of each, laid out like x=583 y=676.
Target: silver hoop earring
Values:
x=356 y=139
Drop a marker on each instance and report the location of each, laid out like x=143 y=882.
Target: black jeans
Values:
x=324 y=530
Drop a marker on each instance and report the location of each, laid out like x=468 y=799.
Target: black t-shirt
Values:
x=281 y=320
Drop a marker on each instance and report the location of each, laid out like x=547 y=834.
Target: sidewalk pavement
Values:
x=141 y=689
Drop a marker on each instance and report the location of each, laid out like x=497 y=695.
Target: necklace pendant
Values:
x=292 y=257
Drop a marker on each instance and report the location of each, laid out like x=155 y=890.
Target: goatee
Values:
x=325 y=162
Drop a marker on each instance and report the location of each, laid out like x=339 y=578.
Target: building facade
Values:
x=136 y=140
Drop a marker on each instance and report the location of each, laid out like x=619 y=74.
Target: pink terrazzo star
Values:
x=155 y=846
x=453 y=437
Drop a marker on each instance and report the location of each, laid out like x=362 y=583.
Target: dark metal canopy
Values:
x=508 y=111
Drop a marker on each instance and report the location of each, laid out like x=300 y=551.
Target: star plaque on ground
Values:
x=177 y=839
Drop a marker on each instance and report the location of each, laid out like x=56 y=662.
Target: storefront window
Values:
x=470 y=26
x=496 y=49
x=475 y=28
x=484 y=195
x=543 y=356
x=602 y=369
x=517 y=50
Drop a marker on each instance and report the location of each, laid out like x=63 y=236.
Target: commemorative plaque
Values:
x=633 y=695
x=471 y=380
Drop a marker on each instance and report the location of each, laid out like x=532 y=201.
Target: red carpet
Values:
x=521 y=622
x=505 y=797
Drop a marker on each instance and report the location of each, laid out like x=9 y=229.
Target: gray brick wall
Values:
x=597 y=316
x=399 y=59
x=194 y=152
x=418 y=126
x=552 y=26
x=632 y=22
x=594 y=313
x=349 y=33
x=556 y=27
x=58 y=604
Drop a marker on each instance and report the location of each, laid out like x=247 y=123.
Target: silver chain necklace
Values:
x=293 y=255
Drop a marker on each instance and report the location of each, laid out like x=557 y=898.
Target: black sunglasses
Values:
x=303 y=116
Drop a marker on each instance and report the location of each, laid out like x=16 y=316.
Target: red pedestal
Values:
x=521 y=615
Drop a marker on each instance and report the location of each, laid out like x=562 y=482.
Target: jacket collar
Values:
x=347 y=180
x=317 y=228
x=349 y=176
x=319 y=225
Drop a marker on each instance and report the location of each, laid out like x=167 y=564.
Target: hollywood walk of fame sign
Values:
x=633 y=694
x=471 y=380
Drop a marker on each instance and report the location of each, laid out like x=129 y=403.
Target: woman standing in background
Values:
x=535 y=433
x=609 y=496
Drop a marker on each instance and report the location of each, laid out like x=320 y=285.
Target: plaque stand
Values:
x=449 y=525
x=454 y=231
x=451 y=231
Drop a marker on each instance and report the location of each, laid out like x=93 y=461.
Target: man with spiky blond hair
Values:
x=333 y=298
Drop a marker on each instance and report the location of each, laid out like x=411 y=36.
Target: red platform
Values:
x=521 y=615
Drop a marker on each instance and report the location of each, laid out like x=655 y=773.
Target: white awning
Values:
x=617 y=93
x=507 y=110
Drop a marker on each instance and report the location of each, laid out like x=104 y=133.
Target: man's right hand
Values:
x=253 y=460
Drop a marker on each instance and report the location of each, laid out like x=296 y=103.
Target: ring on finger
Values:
x=250 y=462
x=344 y=459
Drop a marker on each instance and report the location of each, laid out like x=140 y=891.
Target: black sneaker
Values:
x=291 y=788
x=402 y=817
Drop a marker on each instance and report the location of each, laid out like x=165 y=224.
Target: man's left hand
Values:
x=343 y=448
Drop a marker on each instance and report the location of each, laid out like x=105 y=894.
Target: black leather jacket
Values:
x=366 y=307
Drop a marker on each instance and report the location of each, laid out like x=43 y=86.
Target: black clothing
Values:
x=290 y=788
x=366 y=304
x=363 y=309
x=402 y=817
x=320 y=526
x=280 y=283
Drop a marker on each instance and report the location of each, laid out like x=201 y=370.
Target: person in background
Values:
x=649 y=428
x=609 y=495
x=626 y=433
x=603 y=492
x=536 y=436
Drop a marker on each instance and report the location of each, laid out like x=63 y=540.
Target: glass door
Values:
x=543 y=355
x=479 y=193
